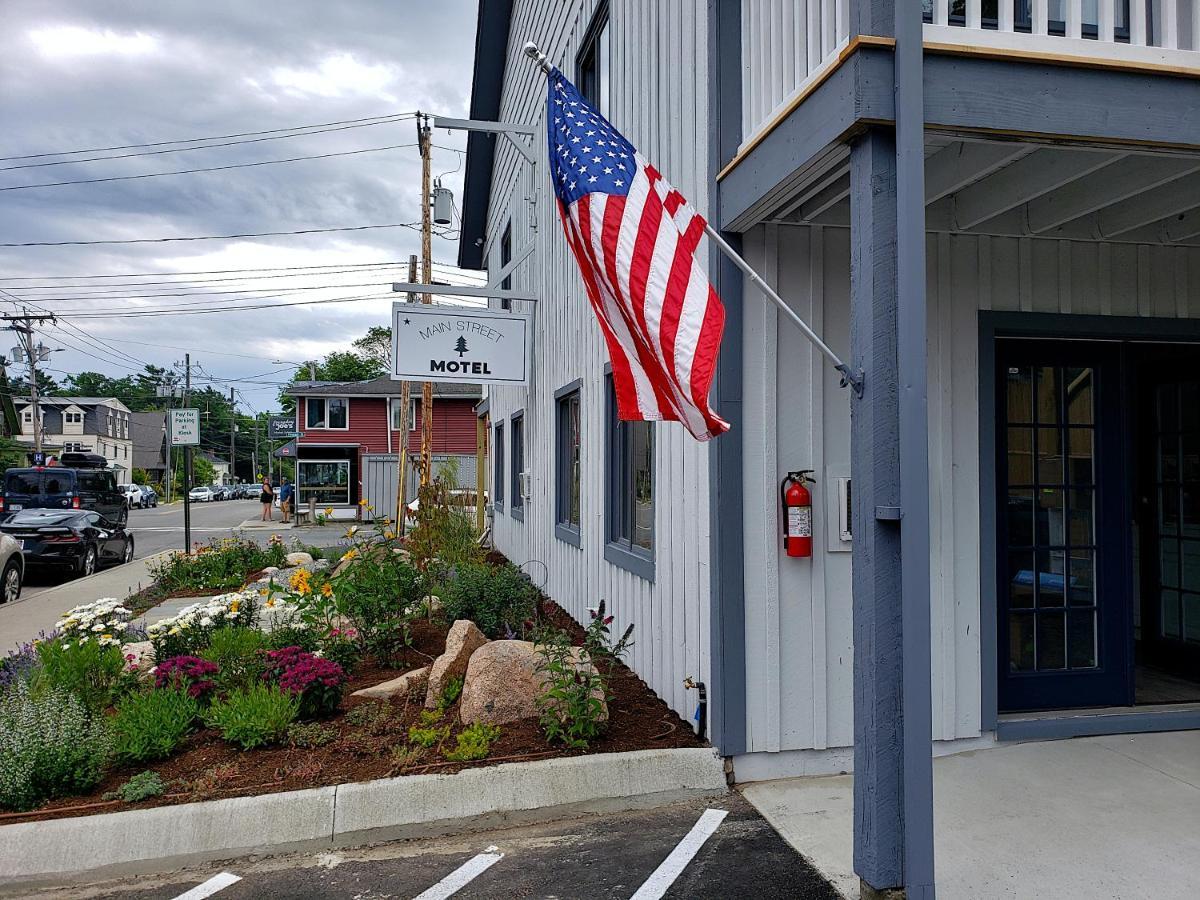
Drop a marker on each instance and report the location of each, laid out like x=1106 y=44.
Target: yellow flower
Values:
x=350 y=554
x=388 y=535
x=262 y=592
x=329 y=510
x=106 y=637
x=327 y=590
x=233 y=607
x=362 y=502
x=270 y=603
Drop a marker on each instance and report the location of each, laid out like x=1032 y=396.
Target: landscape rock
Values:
x=142 y=652
x=410 y=684
x=269 y=571
x=463 y=640
x=299 y=558
x=318 y=565
x=503 y=683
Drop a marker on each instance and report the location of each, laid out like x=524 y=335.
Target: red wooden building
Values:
x=351 y=432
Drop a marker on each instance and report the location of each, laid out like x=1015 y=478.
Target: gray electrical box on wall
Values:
x=839 y=529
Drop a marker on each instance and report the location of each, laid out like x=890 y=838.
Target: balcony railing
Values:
x=1139 y=31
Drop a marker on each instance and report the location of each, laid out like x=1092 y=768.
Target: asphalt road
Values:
x=600 y=856
x=161 y=528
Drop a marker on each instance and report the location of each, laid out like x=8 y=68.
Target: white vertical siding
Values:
x=784 y=45
x=798 y=615
x=658 y=63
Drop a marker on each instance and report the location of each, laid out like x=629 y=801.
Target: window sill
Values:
x=518 y=513
x=568 y=534
x=639 y=562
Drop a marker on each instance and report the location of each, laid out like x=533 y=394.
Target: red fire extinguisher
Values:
x=797 y=513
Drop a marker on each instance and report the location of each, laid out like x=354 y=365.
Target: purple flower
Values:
x=191 y=673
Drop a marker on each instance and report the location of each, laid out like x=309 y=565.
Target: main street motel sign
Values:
x=459 y=344
x=183 y=427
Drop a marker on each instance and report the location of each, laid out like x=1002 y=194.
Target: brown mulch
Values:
x=208 y=768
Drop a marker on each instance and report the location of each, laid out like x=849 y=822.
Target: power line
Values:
x=153 y=313
x=211 y=237
x=279 y=291
x=388 y=120
x=250 y=165
x=217 y=137
x=120 y=287
x=327 y=266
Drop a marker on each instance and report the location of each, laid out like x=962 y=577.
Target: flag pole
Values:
x=849 y=378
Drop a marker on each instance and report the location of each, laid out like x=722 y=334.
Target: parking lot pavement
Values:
x=676 y=851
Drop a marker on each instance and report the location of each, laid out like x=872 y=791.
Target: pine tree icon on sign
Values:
x=460 y=347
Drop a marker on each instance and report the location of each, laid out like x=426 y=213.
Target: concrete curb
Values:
x=148 y=840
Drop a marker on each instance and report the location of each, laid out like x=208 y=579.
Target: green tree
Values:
x=341 y=365
x=376 y=344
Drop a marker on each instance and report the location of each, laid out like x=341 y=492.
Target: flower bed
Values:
x=228 y=709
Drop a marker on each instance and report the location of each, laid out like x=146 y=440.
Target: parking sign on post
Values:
x=184 y=428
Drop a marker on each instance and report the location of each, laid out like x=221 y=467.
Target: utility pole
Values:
x=402 y=450
x=187 y=460
x=232 y=433
x=32 y=356
x=254 y=464
x=424 y=133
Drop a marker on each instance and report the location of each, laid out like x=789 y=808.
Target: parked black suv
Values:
x=81 y=481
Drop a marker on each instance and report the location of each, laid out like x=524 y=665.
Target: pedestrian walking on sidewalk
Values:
x=285 y=500
x=266 y=498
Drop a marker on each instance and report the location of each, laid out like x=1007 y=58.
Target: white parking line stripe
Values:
x=671 y=867
x=210 y=887
x=462 y=876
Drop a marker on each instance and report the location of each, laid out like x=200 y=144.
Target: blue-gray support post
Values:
x=893 y=774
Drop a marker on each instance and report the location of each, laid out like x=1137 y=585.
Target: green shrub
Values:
x=142 y=786
x=445 y=534
x=236 y=654
x=429 y=736
x=221 y=565
x=474 y=741
x=497 y=599
x=308 y=735
x=153 y=725
x=254 y=717
x=378 y=596
x=51 y=745
x=340 y=646
x=571 y=707
x=451 y=692
x=96 y=675
x=374 y=716
x=293 y=634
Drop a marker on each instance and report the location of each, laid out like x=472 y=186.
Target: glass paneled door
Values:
x=1063 y=540
x=1169 y=429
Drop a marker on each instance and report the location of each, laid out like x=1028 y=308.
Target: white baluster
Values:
x=1074 y=18
x=843 y=20
x=1005 y=20
x=1104 y=25
x=1137 y=23
x=941 y=12
x=1041 y=14
x=1170 y=24
x=974 y=14
x=1196 y=25
x=814 y=33
x=828 y=24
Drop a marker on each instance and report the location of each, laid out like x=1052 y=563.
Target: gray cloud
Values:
x=78 y=74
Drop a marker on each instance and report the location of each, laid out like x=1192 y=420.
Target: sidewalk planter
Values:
x=149 y=840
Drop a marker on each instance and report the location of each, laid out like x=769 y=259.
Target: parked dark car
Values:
x=79 y=540
x=149 y=496
x=86 y=486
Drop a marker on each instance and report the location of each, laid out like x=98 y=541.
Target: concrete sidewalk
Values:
x=1112 y=816
x=23 y=620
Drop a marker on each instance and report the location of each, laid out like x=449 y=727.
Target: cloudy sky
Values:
x=79 y=75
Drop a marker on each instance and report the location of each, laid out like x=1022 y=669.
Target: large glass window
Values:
x=630 y=491
x=325 y=481
x=566 y=464
x=518 y=465
x=323 y=412
x=498 y=468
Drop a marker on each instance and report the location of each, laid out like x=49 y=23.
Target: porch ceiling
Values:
x=1020 y=189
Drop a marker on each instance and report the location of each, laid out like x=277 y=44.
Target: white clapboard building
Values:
x=1048 y=517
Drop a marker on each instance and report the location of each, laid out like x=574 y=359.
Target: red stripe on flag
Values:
x=708 y=345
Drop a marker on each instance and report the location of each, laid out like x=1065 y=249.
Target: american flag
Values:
x=634 y=237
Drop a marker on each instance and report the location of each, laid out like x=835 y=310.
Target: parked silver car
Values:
x=12 y=569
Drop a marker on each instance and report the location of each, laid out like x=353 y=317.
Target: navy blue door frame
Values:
x=993 y=326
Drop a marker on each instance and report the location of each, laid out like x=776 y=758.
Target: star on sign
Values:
x=408 y=321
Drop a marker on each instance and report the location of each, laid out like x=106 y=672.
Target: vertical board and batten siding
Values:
x=658 y=65
x=785 y=43
x=798 y=612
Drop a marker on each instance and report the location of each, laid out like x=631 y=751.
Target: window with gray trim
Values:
x=498 y=469
x=593 y=61
x=517 y=424
x=567 y=405
x=630 y=491
x=505 y=259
